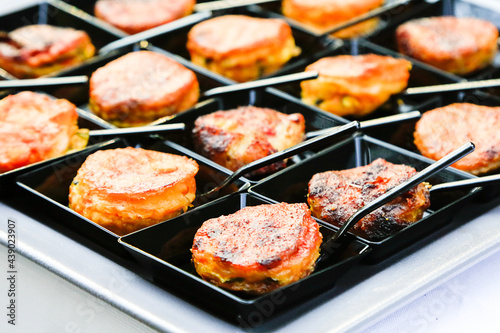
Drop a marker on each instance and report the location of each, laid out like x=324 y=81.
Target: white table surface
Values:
x=466 y=299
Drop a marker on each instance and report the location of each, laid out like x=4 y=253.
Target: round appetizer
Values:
x=240 y=47
x=322 y=15
x=141 y=87
x=444 y=129
x=259 y=248
x=34 y=128
x=133 y=16
x=334 y=196
x=127 y=189
x=37 y=50
x=234 y=138
x=457 y=45
x=355 y=85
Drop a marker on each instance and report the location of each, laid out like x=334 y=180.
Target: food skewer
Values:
x=113 y=132
x=397 y=118
x=397 y=191
x=334 y=133
x=466 y=183
x=439 y=88
x=45 y=81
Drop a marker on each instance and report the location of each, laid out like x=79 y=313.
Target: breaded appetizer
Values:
x=133 y=16
x=457 y=45
x=259 y=248
x=355 y=85
x=34 y=128
x=323 y=15
x=240 y=47
x=127 y=189
x=141 y=87
x=334 y=196
x=444 y=129
x=234 y=138
x=37 y=50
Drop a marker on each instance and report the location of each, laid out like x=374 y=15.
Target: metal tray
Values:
x=290 y=185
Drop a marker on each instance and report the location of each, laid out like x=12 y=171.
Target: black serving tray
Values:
x=291 y=185
x=315 y=119
x=80 y=94
x=85 y=120
x=164 y=250
x=53 y=14
x=456 y=8
x=50 y=185
x=420 y=75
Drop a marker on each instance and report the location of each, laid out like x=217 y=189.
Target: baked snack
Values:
x=141 y=87
x=355 y=85
x=37 y=50
x=35 y=127
x=133 y=16
x=240 y=47
x=259 y=248
x=127 y=189
x=322 y=15
x=458 y=45
x=440 y=131
x=334 y=196
x=234 y=138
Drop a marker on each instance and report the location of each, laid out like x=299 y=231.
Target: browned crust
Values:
x=134 y=16
x=141 y=87
x=127 y=189
x=442 y=130
x=37 y=50
x=457 y=45
x=258 y=248
x=234 y=138
x=334 y=196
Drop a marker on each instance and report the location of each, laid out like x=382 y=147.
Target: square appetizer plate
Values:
x=457 y=8
x=165 y=251
x=291 y=185
x=50 y=186
x=85 y=121
x=52 y=14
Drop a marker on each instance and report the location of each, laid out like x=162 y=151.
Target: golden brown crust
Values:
x=258 y=248
x=355 y=85
x=33 y=128
x=37 y=50
x=134 y=16
x=141 y=87
x=442 y=130
x=334 y=196
x=325 y=14
x=241 y=47
x=234 y=138
x=127 y=189
x=457 y=45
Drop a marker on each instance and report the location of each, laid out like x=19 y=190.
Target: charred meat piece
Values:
x=259 y=248
x=234 y=138
x=334 y=196
x=444 y=129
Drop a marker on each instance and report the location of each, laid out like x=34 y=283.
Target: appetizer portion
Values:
x=444 y=129
x=141 y=87
x=334 y=196
x=37 y=50
x=234 y=138
x=259 y=248
x=323 y=15
x=457 y=45
x=133 y=16
x=34 y=128
x=240 y=47
x=127 y=189
x=355 y=85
